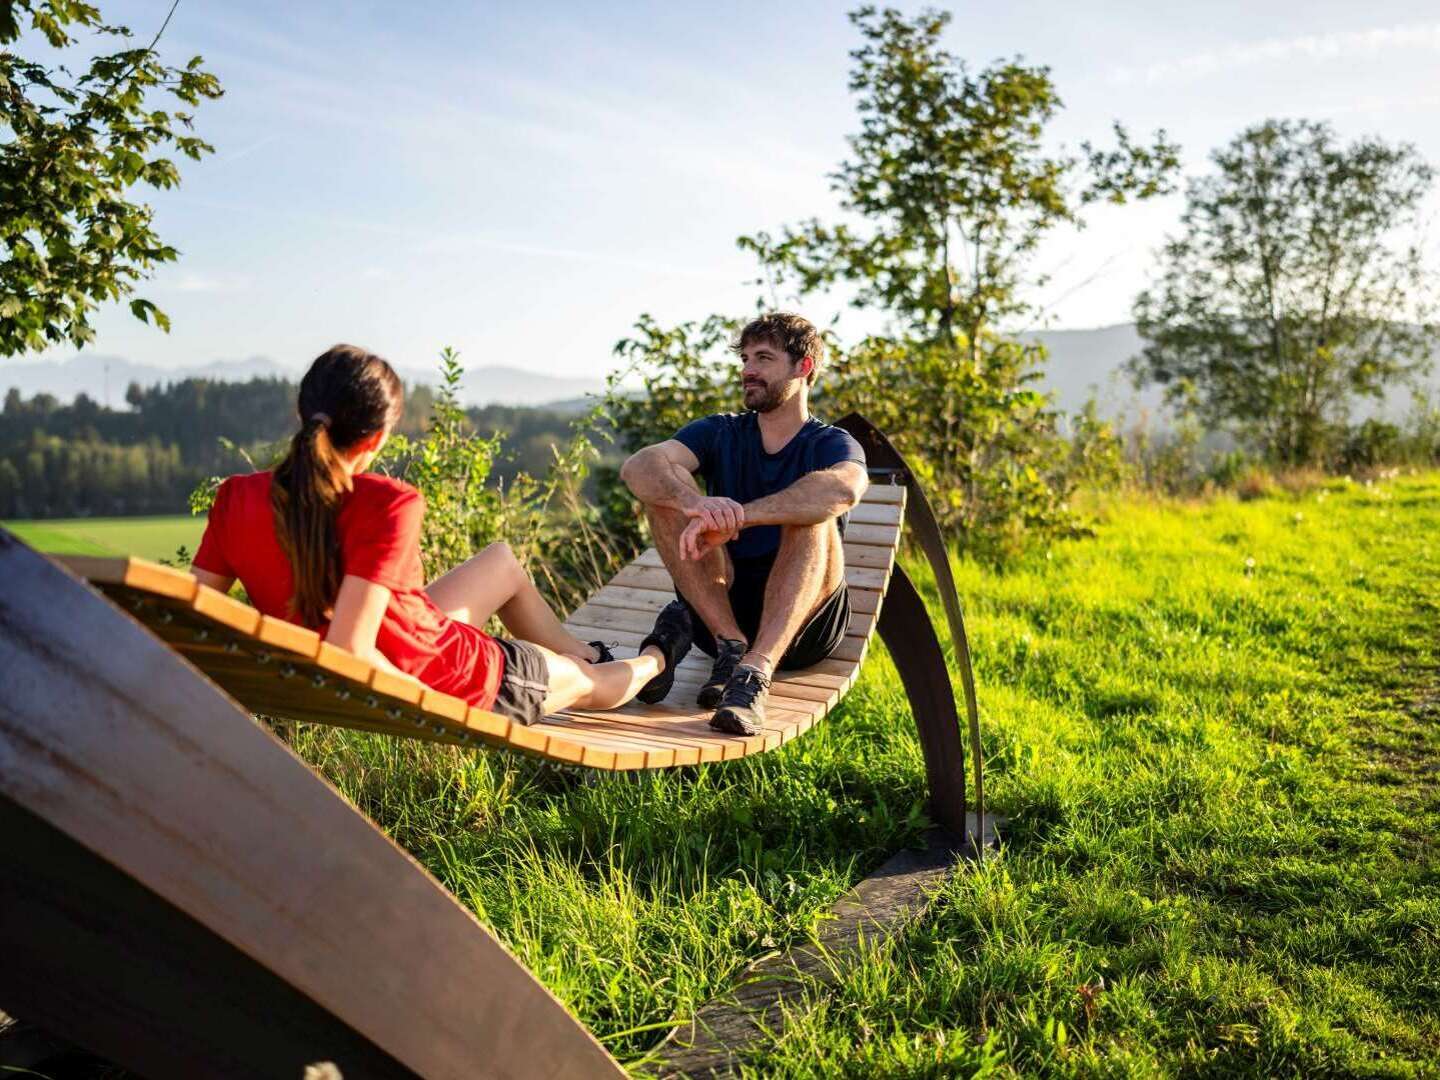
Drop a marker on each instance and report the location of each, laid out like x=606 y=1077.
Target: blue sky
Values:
x=522 y=180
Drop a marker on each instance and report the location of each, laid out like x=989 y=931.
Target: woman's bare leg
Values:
x=574 y=683
x=494 y=583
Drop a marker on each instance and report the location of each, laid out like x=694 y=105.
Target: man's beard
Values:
x=766 y=399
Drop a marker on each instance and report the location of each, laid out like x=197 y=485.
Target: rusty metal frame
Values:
x=906 y=629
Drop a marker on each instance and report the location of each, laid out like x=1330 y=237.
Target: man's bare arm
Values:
x=815 y=497
x=660 y=475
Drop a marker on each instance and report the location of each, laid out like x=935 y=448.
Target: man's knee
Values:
x=801 y=537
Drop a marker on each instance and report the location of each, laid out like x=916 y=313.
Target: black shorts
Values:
x=817 y=639
x=524 y=684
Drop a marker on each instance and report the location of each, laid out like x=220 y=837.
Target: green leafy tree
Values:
x=70 y=236
x=952 y=188
x=1295 y=287
x=684 y=373
x=954 y=185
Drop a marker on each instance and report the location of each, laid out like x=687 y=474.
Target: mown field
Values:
x=1213 y=732
x=149 y=537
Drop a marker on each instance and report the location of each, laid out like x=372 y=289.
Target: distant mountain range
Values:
x=1083 y=363
x=105 y=379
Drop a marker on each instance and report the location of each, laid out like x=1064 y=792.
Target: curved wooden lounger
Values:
x=275 y=668
x=181 y=894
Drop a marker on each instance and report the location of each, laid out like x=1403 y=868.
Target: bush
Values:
x=986 y=446
x=1370 y=444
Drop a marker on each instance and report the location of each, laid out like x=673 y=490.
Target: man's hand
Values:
x=697 y=540
x=718 y=513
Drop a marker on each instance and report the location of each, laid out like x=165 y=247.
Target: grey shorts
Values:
x=524 y=684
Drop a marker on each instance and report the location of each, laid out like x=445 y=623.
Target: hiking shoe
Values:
x=672 y=635
x=742 y=705
x=728 y=652
x=603 y=653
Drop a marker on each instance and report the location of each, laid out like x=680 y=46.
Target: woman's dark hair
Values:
x=346 y=395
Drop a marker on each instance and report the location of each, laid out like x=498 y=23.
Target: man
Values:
x=756 y=558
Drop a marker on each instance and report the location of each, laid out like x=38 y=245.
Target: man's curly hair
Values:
x=793 y=333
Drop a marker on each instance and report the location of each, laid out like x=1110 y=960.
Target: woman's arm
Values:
x=356 y=622
x=214 y=580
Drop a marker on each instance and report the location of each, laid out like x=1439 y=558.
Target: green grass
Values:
x=1212 y=730
x=149 y=537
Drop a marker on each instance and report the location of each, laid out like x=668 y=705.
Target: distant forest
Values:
x=84 y=459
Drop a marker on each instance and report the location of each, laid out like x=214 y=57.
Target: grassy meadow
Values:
x=149 y=537
x=1212 y=729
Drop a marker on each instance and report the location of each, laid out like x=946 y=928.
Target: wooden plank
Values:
x=885 y=535
x=118 y=744
x=656 y=752
x=226 y=610
x=343 y=663
x=868 y=555
x=655 y=577
x=859 y=626
x=856 y=554
x=884 y=493
x=137 y=573
x=861 y=577
x=689 y=729
x=651 y=600
x=644 y=577
x=91 y=952
x=288 y=636
x=872 y=514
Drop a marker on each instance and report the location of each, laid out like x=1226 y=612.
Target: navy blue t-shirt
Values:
x=735 y=465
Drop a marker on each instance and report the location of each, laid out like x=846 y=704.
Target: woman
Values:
x=323 y=543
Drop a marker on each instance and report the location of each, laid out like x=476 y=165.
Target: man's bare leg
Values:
x=809 y=567
x=704 y=582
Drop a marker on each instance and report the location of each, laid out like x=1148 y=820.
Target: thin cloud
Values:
x=193 y=282
x=1349 y=45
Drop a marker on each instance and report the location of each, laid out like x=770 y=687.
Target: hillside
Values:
x=104 y=378
x=1083 y=363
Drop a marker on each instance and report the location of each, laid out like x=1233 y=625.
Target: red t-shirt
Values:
x=379 y=535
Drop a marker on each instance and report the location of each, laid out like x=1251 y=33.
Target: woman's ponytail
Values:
x=347 y=395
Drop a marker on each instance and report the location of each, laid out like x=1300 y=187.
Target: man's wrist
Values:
x=755 y=513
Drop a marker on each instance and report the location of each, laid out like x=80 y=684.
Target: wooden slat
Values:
x=651 y=600
x=888 y=535
x=877 y=514
x=856 y=554
x=859 y=625
x=883 y=493
x=868 y=555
